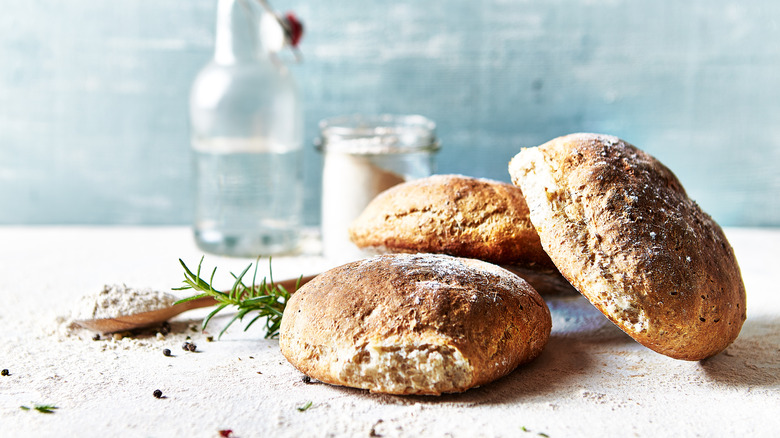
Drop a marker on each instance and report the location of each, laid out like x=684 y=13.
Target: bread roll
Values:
x=413 y=324
x=455 y=215
x=463 y=217
x=621 y=228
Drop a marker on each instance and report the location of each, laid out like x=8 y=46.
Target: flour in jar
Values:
x=365 y=155
x=349 y=183
x=119 y=300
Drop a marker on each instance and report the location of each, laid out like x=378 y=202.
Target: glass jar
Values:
x=246 y=133
x=363 y=156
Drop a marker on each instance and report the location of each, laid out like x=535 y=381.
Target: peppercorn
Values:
x=96 y=337
x=165 y=328
x=306 y=379
x=5 y=372
x=157 y=393
x=166 y=352
x=192 y=347
x=185 y=346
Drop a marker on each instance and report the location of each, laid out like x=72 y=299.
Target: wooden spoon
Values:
x=153 y=317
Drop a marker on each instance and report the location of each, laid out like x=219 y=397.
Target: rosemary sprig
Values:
x=267 y=298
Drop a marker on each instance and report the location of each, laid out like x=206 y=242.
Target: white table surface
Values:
x=591 y=380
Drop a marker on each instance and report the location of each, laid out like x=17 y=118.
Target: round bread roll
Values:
x=463 y=217
x=620 y=227
x=455 y=215
x=413 y=324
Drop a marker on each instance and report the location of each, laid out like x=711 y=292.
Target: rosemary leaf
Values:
x=194 y=297
x=224 y=329
x=257 y=300
x=44 y=409
x=211 y=315
x=252 y=321
x=239 y=286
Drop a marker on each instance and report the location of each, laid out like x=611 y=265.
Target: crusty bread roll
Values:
x=455 y=215
x=413 y=324
x=463 y=217
x=621 y=228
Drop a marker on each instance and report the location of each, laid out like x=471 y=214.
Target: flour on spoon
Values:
x=119 y=300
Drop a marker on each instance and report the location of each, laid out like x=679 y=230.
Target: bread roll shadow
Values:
x=752 y=360
x=574 y=317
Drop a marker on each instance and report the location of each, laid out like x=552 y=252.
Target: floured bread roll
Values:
x=620 y=227
x=463 y=217
x=413 y=324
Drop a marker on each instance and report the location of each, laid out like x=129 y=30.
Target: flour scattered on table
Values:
x=118 y=300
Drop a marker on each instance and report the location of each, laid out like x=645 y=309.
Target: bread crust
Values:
x=475 y=318
x=452 y=214
x=620 y=227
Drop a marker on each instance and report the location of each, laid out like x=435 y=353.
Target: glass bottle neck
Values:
x=238 y=31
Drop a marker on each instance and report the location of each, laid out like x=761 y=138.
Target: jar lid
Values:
x=377 y=134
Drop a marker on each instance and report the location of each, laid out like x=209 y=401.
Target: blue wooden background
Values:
x=93 y=93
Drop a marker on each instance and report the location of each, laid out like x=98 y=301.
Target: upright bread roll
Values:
x=621 y=228
x=413 y=324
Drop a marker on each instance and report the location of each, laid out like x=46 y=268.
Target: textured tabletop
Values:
x=591 y=379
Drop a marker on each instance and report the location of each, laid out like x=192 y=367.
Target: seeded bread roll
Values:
x=621 y=228
x=413 y=324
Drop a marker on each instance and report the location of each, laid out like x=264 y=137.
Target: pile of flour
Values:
x=119 y=300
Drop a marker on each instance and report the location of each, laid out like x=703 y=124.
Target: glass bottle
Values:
x=246 y=134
